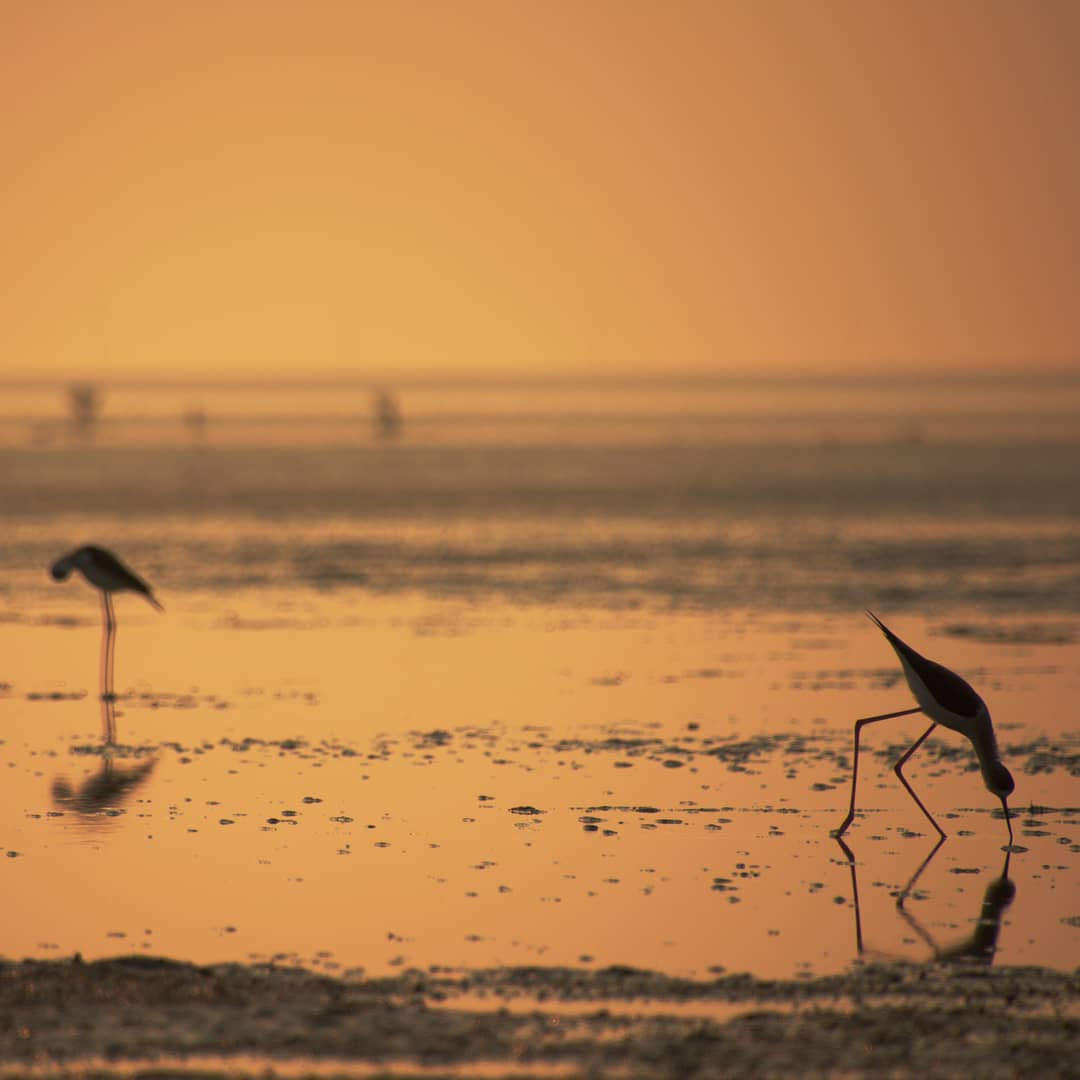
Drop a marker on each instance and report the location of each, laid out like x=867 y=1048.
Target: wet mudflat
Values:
x=166 y=1018
x=444 y=838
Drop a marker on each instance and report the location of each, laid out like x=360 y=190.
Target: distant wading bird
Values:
x=950 y=701
x=108 y=574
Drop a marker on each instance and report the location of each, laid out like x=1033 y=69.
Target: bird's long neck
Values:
x=985 y=740
x=985 y=743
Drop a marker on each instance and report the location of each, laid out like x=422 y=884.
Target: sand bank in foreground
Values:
x=101 y=1018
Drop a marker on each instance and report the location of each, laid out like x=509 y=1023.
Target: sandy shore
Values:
x=145 y=1016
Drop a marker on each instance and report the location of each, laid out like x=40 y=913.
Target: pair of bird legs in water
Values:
x=898 y=768
x=945 y=697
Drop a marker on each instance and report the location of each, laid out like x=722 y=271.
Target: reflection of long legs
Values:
x=905 y=892
x=108 y=721
x=850 y=856
x=981 y=944
x=898 y=768
x=855 y=763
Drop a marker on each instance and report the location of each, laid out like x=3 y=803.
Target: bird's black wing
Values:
x=951 y=690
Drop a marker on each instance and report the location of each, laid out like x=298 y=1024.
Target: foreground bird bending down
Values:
x=946 y=699
x=108 y=574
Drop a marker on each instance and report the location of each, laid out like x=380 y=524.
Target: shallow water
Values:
x=540 y=683
x=383 y=783
x=930 y=529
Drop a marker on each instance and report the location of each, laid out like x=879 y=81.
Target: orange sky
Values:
x=522 y=187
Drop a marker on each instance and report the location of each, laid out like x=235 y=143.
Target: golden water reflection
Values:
x=417 y=783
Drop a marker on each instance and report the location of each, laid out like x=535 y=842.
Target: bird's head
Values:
x=61 y=570
x=998 y=779
x=74 y=560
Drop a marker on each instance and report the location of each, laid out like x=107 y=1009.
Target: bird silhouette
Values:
x=951 y=701
x=108 y=574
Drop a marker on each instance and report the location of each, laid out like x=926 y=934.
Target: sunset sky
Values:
x=514 y=187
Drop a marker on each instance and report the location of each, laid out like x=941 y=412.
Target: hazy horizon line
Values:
x=329 y=378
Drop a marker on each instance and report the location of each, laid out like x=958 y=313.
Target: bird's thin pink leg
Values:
x=898 y=768
x=108 y=652
x=106 y=632
x=859 y=724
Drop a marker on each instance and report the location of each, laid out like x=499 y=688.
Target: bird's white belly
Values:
x=932 y=707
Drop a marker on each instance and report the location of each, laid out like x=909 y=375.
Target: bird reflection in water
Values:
x=107 y=789
x=980 y=946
